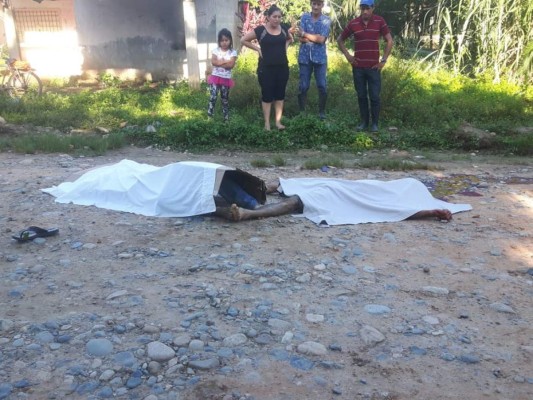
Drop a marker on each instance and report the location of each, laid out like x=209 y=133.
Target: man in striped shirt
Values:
x=366 y=64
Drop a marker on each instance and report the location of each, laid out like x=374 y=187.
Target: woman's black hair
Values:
x=225 y=32
x=272 y=9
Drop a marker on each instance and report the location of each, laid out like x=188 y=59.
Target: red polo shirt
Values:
x=366 y=39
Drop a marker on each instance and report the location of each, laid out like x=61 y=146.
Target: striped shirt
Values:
x=366 y=39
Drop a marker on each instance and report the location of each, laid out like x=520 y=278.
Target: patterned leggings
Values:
x=224 y=98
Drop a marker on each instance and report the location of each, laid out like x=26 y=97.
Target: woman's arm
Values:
x=290 y=39
x=246 y=41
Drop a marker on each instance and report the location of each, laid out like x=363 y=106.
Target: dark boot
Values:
x=364 y=112
x=375 y=106
x=302 y=99
x=322 y=98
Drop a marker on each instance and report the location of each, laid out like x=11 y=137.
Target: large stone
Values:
x=235 y=340
x=99 y=347
x=370 y=335
x=6 y=324
x=279 y=324
x=158 y=351
x=473 y=137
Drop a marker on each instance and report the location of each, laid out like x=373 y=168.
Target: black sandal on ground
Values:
x=34 y=232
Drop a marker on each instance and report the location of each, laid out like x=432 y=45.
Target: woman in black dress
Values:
x=271 y=41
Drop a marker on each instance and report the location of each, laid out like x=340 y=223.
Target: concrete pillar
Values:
x=11 y=34
x=226 y=18
x=193 y=67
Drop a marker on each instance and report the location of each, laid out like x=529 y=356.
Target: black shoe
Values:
x=362 y=127
x=374 y=128
x=322 y=116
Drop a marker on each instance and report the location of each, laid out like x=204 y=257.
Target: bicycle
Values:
x=18 y=79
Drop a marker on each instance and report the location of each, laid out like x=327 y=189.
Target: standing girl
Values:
x=223 y=60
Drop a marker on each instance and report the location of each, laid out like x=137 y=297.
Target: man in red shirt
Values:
x=366 y=64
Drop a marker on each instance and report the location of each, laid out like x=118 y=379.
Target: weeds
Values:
x=87 y=145
x=321 y=162
x=277 y=161
x=388 y=164
x=424 y=105
x=260 y=163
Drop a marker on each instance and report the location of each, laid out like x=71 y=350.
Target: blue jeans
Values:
x=305 y=77
x=367 y=82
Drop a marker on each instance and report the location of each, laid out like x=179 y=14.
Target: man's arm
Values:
x=344 y=50
x=386 y=52
x=388 y=46
x=319 y=38
x=311 y=37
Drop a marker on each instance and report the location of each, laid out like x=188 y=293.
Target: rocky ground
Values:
x=131 y=307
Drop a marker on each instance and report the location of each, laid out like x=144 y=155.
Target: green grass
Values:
x=325 y=161
x=279 y=161
x=87 y=145
x=392 y=164
x=260 y=163
x=276 y=160
x=425 y=105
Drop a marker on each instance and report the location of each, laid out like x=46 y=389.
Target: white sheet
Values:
x=176 y=190
x=339 y=202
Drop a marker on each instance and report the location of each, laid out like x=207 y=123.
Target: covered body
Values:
x=337 y=201
x=176 y=190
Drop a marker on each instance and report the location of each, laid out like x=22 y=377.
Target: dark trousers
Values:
x=273 y=81
x=367 y=82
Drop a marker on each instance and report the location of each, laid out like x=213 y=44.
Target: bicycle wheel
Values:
x=24 y=83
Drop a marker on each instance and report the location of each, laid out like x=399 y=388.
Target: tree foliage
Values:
x=477 y=37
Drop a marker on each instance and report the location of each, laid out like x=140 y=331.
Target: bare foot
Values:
x=267 y=128
x=443 y=215
x=280 y=127
x=238 y=213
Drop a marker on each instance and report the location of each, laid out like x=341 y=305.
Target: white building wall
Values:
x=130 y=38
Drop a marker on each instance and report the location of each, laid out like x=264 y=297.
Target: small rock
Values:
x=315 y=318
x=210 y=363
x=377 y=309
x=503 y=308
x=439 y=291
x=235 y=340
x=312 y=348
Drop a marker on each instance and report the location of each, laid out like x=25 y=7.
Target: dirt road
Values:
x=132 y=307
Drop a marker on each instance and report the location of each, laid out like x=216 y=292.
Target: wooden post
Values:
x=191 y=43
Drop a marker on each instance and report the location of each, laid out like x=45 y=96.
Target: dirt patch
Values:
x=271 y=309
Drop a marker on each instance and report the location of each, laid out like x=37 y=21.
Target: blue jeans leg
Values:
x=305 y=78
x=374 y=89
x=320 y=71
x=367 y=82
x=359 y=81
